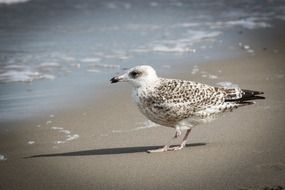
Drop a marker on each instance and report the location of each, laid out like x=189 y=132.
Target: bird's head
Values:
x=138 y=76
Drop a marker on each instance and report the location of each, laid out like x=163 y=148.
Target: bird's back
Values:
x=171 y=100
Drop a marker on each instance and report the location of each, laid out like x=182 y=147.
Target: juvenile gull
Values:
x=172 y=102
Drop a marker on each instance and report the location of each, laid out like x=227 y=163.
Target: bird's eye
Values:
x=135 y=74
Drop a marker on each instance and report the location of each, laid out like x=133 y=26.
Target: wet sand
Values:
x=242 y=150
x=100 y=143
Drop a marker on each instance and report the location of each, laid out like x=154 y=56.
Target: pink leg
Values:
x=166 y=147
x=184 y=141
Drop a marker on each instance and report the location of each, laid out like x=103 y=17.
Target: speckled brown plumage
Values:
x=172 y=102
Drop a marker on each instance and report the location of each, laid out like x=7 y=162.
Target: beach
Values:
x=64 y=126
x=242 y=150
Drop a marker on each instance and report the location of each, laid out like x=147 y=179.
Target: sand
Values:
x=106 y=149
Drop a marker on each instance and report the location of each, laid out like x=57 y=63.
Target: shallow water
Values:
x=52 y=49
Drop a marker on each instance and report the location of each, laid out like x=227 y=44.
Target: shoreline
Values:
x=244 y=148
x=66 y=127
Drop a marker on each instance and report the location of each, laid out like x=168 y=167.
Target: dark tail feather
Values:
x=251 y=93
x=248 y=95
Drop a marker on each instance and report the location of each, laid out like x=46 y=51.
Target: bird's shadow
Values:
x=108 y=151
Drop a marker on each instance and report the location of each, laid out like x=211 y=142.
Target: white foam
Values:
x=143 y=27
x=201 y=35
x=93 y=70
x=28 y=67
x=177 y=48
x=121 y=55
x=90 y=59
x=2 y=157
x=208 y=75
x=250 y=51
x=72 y=137
x=68 y=135
x=23 y=76
x=186 y=25
x=246 y=47
x=49 y=64
x=117 y=131
x=142 y=125
x=56 y=128
x=31 y=142
x=212 y=76
x=47 y=67
x=195 y=70
x=15 y=67
x=48 y=122
x=59 y=142
x=46 y=76
x=146 y=125
x=13 y=1
x=106 y=65
x=180 y=45
x=66 y=58
x=69 y=138
x=227 y=84
x=18 y=76
x=249 y=23
x=65 y=131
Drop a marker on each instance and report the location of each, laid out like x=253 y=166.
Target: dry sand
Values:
x=242 y=150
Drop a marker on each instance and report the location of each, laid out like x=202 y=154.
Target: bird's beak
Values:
x=118 y=79
x=115 y=79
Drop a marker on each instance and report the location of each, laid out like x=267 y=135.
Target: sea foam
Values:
x=23 y=76
x=2 y=157
x=12 y=1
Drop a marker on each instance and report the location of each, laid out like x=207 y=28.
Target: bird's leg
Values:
x=166 y=147
x=163 y=149
x=184 y=141
x=177 y=133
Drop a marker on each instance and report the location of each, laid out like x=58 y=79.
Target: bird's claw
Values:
x=165 y=149
x=175 y=148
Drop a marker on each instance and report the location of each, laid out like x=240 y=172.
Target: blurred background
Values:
x=54 y=51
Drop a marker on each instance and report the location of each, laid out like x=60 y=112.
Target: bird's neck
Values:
x=146 y=83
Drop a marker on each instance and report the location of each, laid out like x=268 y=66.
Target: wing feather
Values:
x=193 y=95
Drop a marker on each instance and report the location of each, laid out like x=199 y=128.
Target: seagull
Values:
x=181 y=104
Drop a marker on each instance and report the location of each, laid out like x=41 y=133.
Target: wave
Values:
x=8 y=2
x=23 y=76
